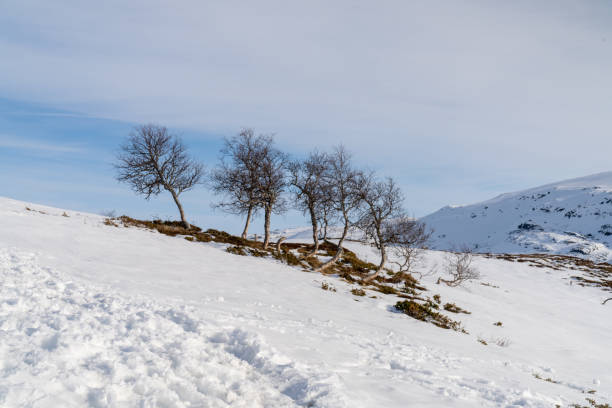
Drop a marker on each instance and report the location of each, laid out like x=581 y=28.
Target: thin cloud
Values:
x=30 y=144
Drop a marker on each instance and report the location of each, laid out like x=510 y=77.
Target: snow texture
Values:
x=93 y=315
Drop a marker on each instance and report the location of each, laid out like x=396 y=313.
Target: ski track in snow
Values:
x=62 y=344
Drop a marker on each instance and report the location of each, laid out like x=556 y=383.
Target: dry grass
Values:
x=547 y=379
x=453 y=308
x=593 y=273
x=358 y=292
x=592 y=404
x=38 y=211
x=110 y=222
x=170 y=228
x=328 y=286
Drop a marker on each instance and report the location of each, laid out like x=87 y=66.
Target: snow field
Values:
x=98 y=316
x=62 y=344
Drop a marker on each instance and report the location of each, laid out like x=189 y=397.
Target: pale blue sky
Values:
x=459 y=100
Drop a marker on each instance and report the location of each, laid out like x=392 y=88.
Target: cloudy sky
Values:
x=459 y=100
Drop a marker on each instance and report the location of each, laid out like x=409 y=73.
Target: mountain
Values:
x=571 y=217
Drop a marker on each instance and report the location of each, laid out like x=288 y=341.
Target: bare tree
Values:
x=382 y=202
x=307 y=177
x=459 y=267
x=341 y=185
x=408 y=237
x=153 y=159
x=271 y=183
x=236 y=176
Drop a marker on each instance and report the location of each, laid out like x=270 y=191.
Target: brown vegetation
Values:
x=427 y=314
x=350 y=267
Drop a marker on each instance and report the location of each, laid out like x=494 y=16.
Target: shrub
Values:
x=236 y=250
x=291 y=259
x=426 y=314
x=459 y=266
x=358 y=292
x=387 y=290
x=453 y=308
x=109 y=222
x=432 y=305
x=225 y=238
x=356 y=264
x=170 y=228
x=202 y=237
x=257 y=253
x=592 y=404
x=347 y=276
x=548 y=379
x=327 y=286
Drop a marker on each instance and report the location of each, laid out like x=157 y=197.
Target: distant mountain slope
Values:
x=569 y=217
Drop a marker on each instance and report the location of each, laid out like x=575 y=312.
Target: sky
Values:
x=457 y=100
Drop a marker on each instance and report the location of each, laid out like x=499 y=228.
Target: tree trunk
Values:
x=268 y=212
x=383 y=260
x=315 y=231
x=325 y=228
x=248 y=221
x=180 y=208
x=340 y=249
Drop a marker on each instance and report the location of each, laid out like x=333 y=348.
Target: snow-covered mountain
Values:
x=569 y=217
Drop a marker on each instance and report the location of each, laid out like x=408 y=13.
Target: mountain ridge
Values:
x=572 y=217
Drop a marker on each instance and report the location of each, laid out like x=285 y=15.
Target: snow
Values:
x=569 y=217
x=99 y=316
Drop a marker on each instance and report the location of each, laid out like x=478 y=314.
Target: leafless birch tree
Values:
x=382 y=202
x=271 y=184
x=341 y=182
x=236 y=176
x=307 y=177
x=153 y=159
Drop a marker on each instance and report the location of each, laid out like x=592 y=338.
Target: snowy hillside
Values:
x=570 y=217
x=93 y=315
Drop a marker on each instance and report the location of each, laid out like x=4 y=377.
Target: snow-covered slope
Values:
x=93 y=315
x=570 y=217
